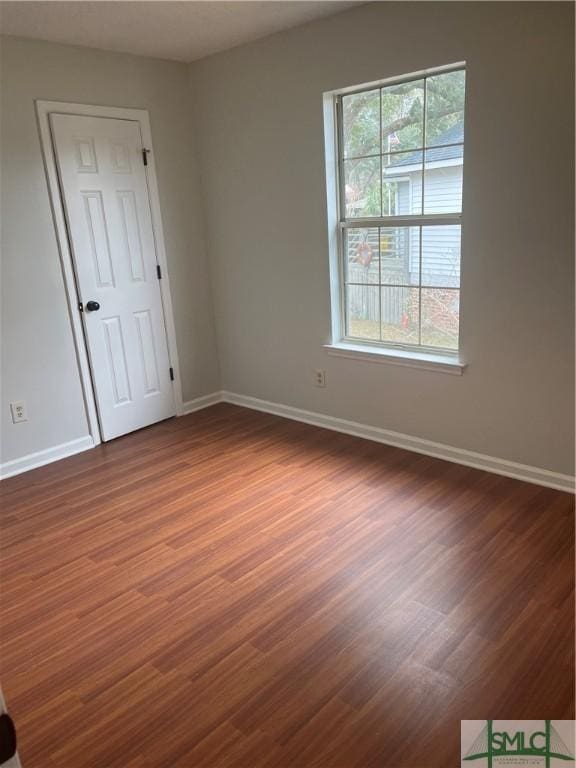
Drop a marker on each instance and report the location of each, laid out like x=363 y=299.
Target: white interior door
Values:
x=105 y=194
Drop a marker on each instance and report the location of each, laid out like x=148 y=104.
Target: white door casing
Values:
x=107 y=207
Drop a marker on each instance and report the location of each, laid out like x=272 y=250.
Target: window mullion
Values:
x=379 y=233
x=423 y=144
x=431 y=219
x=379 y=285
x=340 y=154
x=381 y=168
x=420 y=286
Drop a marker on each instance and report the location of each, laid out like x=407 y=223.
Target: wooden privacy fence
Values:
x=364 y=299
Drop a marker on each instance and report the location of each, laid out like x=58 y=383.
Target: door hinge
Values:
x=171 y=374
x=145 y=156
x=158 y=271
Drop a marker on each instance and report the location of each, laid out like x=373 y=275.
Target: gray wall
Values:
x=259 y=126
x=257 y=171
x=38 y=358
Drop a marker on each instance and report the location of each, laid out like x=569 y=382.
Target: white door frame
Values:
x=141 y=116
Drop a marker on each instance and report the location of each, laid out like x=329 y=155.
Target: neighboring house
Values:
x=443 y=194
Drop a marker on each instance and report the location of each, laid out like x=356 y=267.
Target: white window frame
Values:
x=421 y=356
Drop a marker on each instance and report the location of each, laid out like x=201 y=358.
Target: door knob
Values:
x=92 y=306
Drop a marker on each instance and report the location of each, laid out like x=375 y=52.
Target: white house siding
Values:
x=404 y=197
x=440 y=244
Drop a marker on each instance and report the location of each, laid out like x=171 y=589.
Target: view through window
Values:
x=400 y=159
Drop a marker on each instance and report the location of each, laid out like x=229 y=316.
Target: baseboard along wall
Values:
x=47 y=456
x=493 y=464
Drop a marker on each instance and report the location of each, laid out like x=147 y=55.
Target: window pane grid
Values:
x=401 y=281
x=381 y=306
x=438 y=130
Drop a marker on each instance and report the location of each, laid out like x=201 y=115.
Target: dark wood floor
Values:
x=235 y=589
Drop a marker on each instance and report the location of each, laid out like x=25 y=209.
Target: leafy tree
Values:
x=392 y=118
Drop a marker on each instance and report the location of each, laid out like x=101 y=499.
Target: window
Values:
x=400 y=151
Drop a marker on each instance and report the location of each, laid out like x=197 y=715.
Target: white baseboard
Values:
x=201 y=402
x=408 y=442
x=417 y=444
x=47 y=456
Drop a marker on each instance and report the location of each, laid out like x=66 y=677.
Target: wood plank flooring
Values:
x=232 y=589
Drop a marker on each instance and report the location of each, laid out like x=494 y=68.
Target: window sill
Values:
x=423 y=360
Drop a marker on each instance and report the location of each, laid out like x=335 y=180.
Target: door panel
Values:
x=105 y=194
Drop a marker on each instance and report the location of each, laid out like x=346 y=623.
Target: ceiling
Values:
x=182 y=31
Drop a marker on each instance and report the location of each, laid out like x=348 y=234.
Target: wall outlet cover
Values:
x=18 y=410
x=320 y=377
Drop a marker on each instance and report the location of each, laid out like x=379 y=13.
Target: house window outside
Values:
x=400 y=164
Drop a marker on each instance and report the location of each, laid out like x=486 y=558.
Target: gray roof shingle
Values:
x=438 y=153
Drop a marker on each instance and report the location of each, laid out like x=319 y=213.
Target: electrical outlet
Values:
x=319 y=378
x=19 y=412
